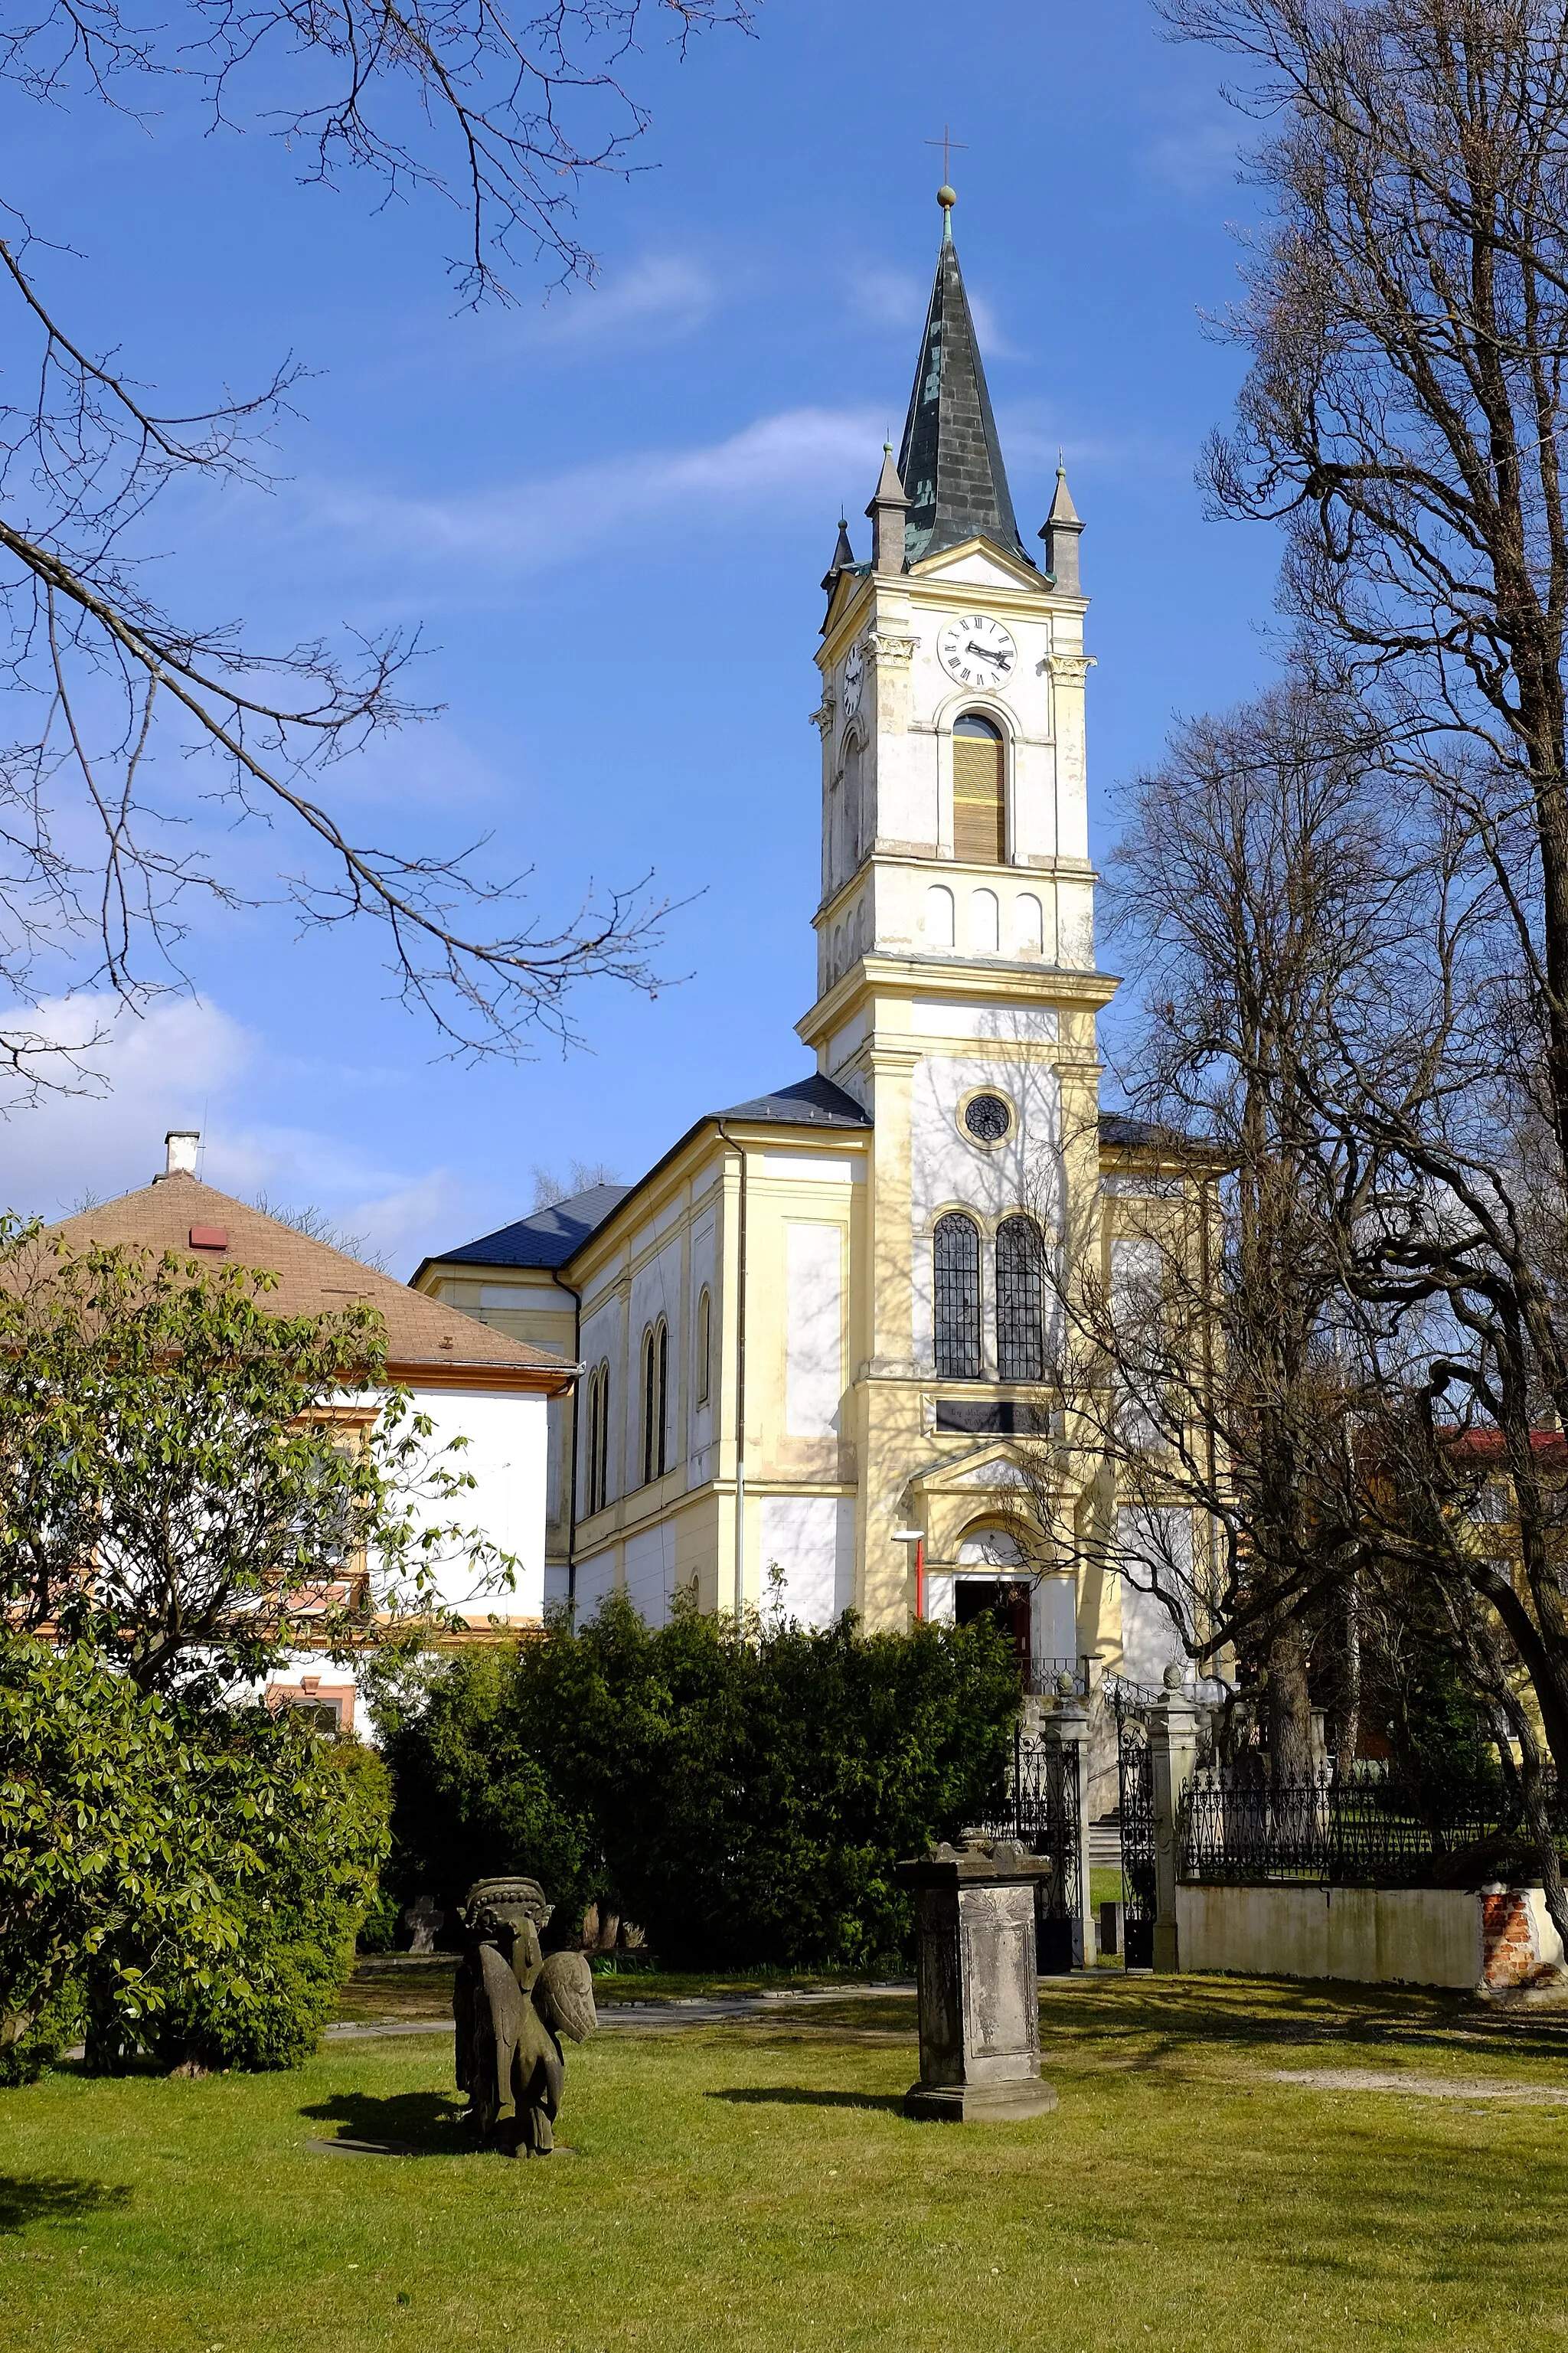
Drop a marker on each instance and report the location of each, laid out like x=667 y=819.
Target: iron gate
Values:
x=1044 y=1817
x=1135 y=1792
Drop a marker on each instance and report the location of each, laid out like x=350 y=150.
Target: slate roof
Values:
x=551 y=1236
x=1126 y=1135
x=547 y=1239
x=422 y=1336
x=951 y=460
x=810 y=1102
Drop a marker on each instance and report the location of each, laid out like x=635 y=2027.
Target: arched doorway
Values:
x=992 y=1581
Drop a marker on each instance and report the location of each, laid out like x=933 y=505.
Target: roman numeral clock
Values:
x=977 y=650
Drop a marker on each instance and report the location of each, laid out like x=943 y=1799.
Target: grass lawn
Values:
x=755 y=2187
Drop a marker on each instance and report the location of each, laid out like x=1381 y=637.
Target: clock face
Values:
x=977 y=650
x=854 y=678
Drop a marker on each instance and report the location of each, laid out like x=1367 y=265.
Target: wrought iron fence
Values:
x=1043 y=1676
x=1041 y=1811
x=1358 y=1831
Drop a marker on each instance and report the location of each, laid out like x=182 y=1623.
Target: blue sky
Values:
x=610 y=512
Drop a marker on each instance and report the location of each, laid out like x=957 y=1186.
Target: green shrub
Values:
x=183 y=1883
x=745 y=1797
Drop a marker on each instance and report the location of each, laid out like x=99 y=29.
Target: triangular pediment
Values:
x=846 y=585
x=978 y=564
x=987 y=1469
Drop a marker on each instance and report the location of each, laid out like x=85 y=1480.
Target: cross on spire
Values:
x=944 y=143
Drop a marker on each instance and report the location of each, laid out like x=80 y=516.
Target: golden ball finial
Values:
x=946 y=197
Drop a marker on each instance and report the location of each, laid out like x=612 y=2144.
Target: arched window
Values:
x=1020 y=1301
x=704 y=1339
x=854 y=817
x=596 y=1446
x=979 y=793
x=655 y=1389
x=955 y=1256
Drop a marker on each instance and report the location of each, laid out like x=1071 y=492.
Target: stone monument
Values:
x=512 y=2006
x=424 y=1920
x=978 y=1989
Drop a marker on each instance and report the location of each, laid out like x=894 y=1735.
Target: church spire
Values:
x=951 y=460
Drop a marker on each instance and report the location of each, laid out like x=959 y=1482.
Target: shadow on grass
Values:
x=50 y=2197
x=425 y=2123
x=796 y=2096
x=1168 y=2016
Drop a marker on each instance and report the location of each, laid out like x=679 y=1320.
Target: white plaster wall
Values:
x=595 y=1578
x=650 y=1572
x=811 y=1540
x=1053 y=1617
x=1419 y=1935
x=813 y=1322
x=507 y=1455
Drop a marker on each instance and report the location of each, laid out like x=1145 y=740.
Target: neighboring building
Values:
x=492 y=1389
x=817 y=1326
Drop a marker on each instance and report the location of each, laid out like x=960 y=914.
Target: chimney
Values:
x=180 y=1146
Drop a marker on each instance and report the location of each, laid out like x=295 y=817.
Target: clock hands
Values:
x=991 y=654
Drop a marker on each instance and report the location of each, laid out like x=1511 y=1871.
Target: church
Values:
x=814 y=1337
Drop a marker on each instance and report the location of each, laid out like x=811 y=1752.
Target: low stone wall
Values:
x=1370 y=1935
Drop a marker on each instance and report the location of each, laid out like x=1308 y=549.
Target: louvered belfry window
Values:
x=955 y=1250
x=1020 y=1301
x=979 y=792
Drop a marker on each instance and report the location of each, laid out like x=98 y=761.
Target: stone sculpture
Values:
x=511 y=2007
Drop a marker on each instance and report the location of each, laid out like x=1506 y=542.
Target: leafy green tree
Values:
x=183 y=1884
x=744 y=1795
x=193 y=1483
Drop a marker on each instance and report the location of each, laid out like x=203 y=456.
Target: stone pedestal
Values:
x=1173 y=1756
x=1066 y=1721
x=979 y=1995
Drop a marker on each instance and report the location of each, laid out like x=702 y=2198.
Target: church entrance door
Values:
x=1005 y=1599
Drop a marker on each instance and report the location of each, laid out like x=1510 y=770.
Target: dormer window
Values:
x=979 y=792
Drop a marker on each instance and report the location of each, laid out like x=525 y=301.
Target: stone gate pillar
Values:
x=1064 y=1722
x=1173 y=1756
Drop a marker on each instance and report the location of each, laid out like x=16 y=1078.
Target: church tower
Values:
x=956 y=984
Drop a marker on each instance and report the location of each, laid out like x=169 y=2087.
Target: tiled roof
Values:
x=546 y=1239
x=312 y=1278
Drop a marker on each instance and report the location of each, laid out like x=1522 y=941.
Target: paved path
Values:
x=662 y=2015
x=1418 y=2087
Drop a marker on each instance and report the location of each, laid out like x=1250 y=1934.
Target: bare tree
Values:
x=1261 y=879
x=95 y=855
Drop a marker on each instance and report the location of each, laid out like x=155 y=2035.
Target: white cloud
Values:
x=887 y=298
x=154 y=1072
x=187 y=1063
x=654 y=299
x=515 y=530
